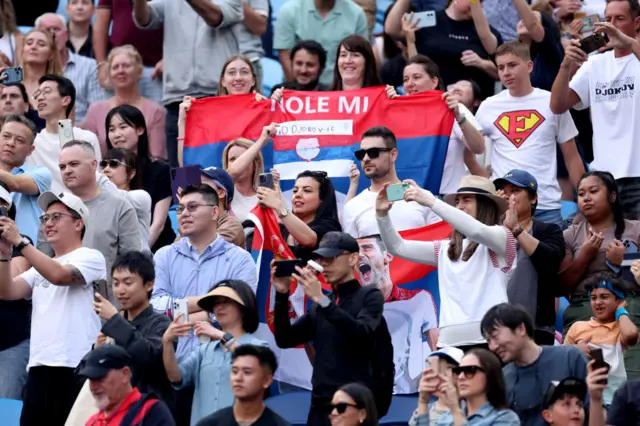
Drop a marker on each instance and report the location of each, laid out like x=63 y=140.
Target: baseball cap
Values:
x=97 y=363
x=6 y=196
x=452 y=353
x=221 y=178
x=334 y=243
x=223 y=289
x=567 y=386
x=69 y=200
x=518 y=178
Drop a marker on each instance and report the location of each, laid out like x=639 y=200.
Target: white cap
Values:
x=452 y=353
x=69 y=200
x=6 y=196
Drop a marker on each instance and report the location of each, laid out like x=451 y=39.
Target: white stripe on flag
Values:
x=315 y=128
x=334 y=168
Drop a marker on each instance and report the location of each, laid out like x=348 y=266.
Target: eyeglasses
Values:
x=341 y=407
x=55 y=217
x=113 y=164
x=371 y=152
x=46 y=92
x=191 y=207
x=469 y=371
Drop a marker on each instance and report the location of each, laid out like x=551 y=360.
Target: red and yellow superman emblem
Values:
x=517 y=126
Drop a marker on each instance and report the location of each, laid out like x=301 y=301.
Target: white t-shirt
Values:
x=241 y=205
x=607 y=85
x=47 y=153
x=359 y=215
x=454 y=168
x=524 y=133
x=63 y=323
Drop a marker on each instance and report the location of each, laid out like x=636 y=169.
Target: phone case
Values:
x=181 y=177
x=427 y=19
x=14 y=75
x=266 y=180
x=65 y=131
x=284 y=268
x=396 y=192
x=180 y=307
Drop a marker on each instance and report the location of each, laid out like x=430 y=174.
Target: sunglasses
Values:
x=341 y=407
x=113 y=164
x=469 y=371
x=371 y=152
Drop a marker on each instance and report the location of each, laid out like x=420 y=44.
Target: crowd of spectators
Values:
x=112 y=316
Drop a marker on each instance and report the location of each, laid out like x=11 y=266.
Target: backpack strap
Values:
x=138 y=410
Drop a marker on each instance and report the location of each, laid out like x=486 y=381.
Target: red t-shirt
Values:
x=116 y=417
x=124 y=31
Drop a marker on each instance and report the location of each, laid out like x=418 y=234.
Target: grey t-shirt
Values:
x=249 y=44
x=113 y=227
x=526 y=386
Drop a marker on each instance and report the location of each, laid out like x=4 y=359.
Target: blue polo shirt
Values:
x=27 y=209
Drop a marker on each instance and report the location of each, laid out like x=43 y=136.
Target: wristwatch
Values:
x=227 y=340
x=23 y=243
x=324 y=301
x=283 y=213
x=518 y=231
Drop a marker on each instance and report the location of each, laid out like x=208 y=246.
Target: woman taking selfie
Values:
x=126 y=128
x=125 y=68
x=119 y=166
x=314 y=211
x=472 y=265
x=40 y=56
x=479 y=382
x=353 y=405
x=355 y=65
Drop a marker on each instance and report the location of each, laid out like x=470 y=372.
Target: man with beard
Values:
x=410 y=314
x=378 y=154
x=308 y=60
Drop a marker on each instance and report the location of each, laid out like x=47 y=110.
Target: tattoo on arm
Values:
x=76 y=275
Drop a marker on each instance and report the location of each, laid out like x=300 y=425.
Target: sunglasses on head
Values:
x=341 y=407
x=113 y=164
x=371 y=152
x=469 y=371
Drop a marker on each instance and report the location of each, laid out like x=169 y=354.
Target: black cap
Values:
x=97 y=363
x=567 y=386
x=334 y=243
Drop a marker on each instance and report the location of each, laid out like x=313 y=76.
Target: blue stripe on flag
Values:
x=327 y=153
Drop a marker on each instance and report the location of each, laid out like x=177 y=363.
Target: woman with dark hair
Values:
x=355 y=65
x=597 y=244
x=314 y=211
x=479 y=382
x=119 y=166
x=473 y=264
x=208 y=368
x=126 y=128
x=353 y=405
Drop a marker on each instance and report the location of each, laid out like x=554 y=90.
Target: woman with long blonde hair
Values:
x=12 y=39
x=125 y=69
x=40 y=56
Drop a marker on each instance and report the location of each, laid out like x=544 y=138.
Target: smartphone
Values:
x=180 y=307
x=588 y=23
x=181 y=177
x=284 y=268
x=593 y=42
x=396 y=192
x=4 y=212
x=100 y=286
x=14 y=75
x=427 y=19
x=597 y=356
x=266 y=180
x=65 y=131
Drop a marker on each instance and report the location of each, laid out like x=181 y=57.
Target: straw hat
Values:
x=478 y=185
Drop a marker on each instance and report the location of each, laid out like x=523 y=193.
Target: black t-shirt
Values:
x=625 y=407
x=392 y=71
x=157 y=182
x=225 y=417
x=546 y=55
x=15 y=315
x=320 y=228
x=445 y=43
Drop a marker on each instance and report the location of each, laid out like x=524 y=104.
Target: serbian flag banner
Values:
x=324 y=128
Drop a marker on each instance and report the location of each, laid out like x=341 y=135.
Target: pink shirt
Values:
x=154 y=116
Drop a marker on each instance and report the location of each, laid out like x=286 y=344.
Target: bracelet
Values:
x=517 y=232
x=179 y=138
x=474 y=2
x=620 y=312
x=462 y=120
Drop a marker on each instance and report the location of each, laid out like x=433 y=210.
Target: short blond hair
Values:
x=258 y=161
x=126 y=49
x=516 y=48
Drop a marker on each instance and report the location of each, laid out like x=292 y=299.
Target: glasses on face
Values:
x=469 y=371
x=371 y=152
x=55 y=217
x=113 y=164
x=191 y=207
x=341 y=407
x=46 y=92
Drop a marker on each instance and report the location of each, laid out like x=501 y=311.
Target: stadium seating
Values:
x=292 y=406
x=400 y=411
x=10 y=410
x=272 y=74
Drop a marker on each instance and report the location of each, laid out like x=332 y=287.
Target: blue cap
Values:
x=222 y=179
x=518 y=178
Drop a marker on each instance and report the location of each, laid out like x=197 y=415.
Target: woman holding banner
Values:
x=473 y=264
x=314 y=212
x=355 y=65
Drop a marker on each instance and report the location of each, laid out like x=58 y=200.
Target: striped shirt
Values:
x=83 y=73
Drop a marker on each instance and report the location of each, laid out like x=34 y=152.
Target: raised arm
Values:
x=11 y=288
x=487 y=38
x=246 y=158
x=224 y=12
x=148 y=15
x=256 y=20
x=563 y=97
x=530 y=20
x=393 y=23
